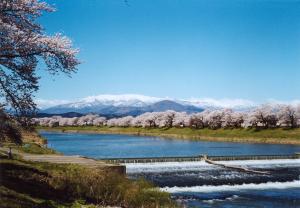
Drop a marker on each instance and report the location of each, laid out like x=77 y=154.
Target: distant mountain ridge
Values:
x=137 y=100
x=134 y=104
x=110 y=110
x=65 y=115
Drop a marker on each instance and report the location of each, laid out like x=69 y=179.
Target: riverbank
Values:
x=271 y=136
x=40 y=177
x=37 y=184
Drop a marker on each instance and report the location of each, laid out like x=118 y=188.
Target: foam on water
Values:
x=211 y=201
x=264 y=163
x=201 y=165
x=166 y=166
x=226 y=188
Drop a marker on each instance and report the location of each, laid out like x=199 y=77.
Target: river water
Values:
x=197 y=184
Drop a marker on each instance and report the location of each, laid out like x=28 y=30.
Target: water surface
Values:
x=124 y=146
x=197 y=184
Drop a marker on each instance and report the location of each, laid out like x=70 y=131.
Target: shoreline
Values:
x=168 y=135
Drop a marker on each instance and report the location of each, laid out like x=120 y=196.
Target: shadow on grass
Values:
x=31 y=181
x=52 y=185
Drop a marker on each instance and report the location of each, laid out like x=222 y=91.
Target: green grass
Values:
x=32 y=148
x=35 y=184
x=13 y=199
x=36 y=149
x=276 y=135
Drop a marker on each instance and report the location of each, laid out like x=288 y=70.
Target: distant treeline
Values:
x=265 y=116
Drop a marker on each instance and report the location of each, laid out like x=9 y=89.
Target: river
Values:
x=197 y=184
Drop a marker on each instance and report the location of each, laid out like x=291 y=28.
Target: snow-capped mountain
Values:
x=113 y=105
x=133 y=104
x=107 y=105
x=116 y=101
x=135 y=100
x=209 y=103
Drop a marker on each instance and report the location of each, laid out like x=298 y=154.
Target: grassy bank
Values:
x=27 y=184
x=30 y=147
x=278 y=135
x=47 y=185
x=32 y=143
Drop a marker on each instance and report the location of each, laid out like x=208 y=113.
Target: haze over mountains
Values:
x=131 y=104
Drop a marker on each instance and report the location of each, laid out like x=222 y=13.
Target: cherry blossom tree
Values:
x=63 y=121
x=288 y=116
x=232 y=119
x=42 y=121
x=112 y=122
x=215 y=119
x=125 y=121
x=150 y=119
x=162 y=119
x=137 y=121
x=54 y=121
x=181 y=119
x=298 y=115
x=250 y=120
x=23 y=44
x=72 y=121
x=99 y=121
x=265 y=116
x=199 y=120
x=121 y=122
x=169 y=118
x=86 y=120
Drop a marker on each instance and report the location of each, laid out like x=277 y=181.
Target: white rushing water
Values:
x=166 y=166
x=201 y=165
x=225 y=188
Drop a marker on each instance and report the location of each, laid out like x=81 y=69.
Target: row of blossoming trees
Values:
x=262 y=117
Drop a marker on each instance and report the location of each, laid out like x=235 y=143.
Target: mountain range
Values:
x=119 y=110
x=132 y=104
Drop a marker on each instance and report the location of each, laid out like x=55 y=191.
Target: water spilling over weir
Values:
x=200 y=158
x=198 y=184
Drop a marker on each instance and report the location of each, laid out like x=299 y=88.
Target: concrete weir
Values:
x=200 y=158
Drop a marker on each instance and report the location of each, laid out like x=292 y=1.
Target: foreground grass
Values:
x=32 y=136
x=31 y=148
x=34 y=184
x=47 y=185
x=277 y=135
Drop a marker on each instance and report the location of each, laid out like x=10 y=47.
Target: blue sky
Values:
x=247 y=49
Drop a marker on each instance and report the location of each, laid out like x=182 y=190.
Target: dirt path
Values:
x=64 y=159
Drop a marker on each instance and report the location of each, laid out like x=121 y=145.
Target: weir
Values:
x=201 y=158
x=238 y=168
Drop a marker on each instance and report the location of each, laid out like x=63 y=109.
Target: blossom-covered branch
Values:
x=23 y=44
